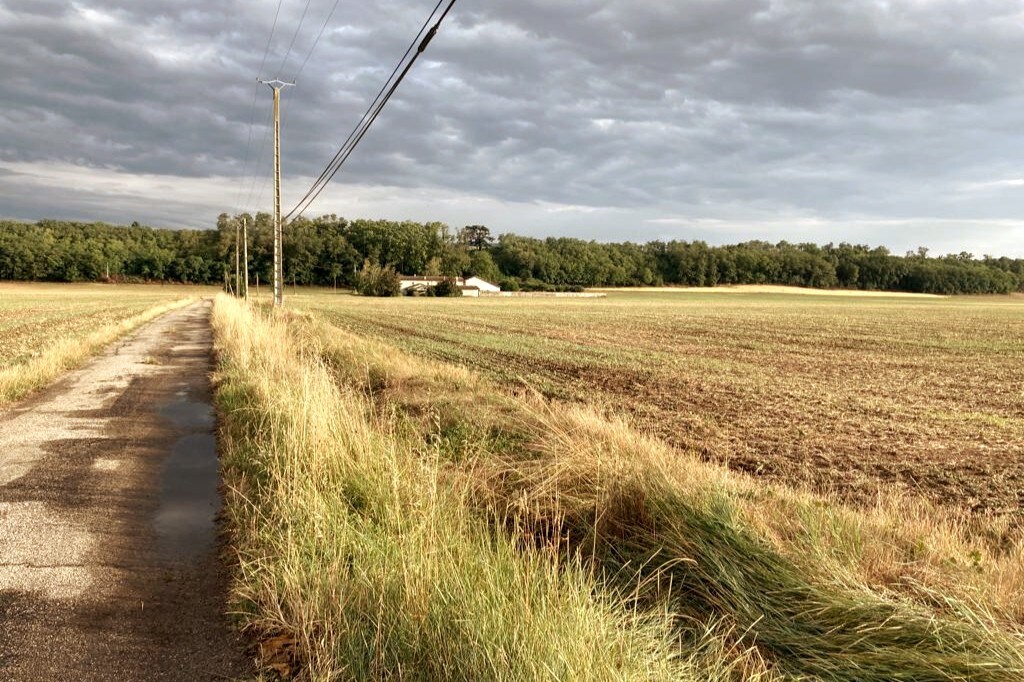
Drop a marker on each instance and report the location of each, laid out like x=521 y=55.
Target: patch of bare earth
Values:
x=848 y=400
x=109 y=561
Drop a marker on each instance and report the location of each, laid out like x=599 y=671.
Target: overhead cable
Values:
x=252 y=110
x=416 y=48
x=317 y=41
x=374 y=104
x=295 y=35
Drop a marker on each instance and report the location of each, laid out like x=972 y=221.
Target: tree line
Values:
x=331 y=251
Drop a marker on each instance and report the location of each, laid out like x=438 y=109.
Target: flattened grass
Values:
x=403 y=518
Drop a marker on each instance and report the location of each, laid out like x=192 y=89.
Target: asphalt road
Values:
x=109 y=561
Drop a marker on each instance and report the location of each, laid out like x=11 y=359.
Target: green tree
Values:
x=446 y=288
x=378 y=280
x=477 y=236
x=482 y=265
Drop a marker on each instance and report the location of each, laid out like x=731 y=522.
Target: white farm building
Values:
x=470 y=286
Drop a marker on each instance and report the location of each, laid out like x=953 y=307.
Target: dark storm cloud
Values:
x=637 y=118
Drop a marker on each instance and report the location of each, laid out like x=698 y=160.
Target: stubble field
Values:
x=48 y=328
x=505 y=535
x=852 y=396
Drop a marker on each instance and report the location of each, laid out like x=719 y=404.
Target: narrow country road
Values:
x=109 y=566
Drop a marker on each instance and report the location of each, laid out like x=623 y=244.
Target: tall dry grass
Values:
x=361 y=557
x=62 y=355
x=898 y=592
x=650 y=519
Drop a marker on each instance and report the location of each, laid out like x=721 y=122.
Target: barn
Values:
x=471 y=286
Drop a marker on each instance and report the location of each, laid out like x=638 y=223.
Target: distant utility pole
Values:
x=245 y=253
x=238 y=273
x=276 y=86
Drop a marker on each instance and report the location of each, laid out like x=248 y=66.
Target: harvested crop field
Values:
x=32 y=316
x=47 y=329
x=853 y=396
x=763 y=289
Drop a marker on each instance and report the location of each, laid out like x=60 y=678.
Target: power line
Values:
x=371 y=113
x=376 y=99
x=248 y=150
x=295 y=35
x=266 y=51
x=318 y=37
x=252 y=110
x=374 y=111
x=267 y=127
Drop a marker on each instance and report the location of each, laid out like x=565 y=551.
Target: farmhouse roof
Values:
x=432 y=280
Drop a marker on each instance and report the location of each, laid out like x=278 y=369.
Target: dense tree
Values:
x=329 y=251
x=446 y=288
x=377 y=280
x=476 y=236
x=482 y=265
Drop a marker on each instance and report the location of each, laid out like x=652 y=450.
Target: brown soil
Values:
x=109 y=565
x=836 y=420
x=851 y=452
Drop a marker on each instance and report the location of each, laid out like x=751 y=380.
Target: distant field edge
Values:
x=20 y=380
x=765 y=289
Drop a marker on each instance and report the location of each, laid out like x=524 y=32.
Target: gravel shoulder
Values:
x=109 y=562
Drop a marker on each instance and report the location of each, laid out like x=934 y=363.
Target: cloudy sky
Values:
x=895 y=122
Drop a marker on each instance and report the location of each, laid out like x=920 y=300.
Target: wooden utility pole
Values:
x=245 y=253
x=238 y=274
x=276 y=86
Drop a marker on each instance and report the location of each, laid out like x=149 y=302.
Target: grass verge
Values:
x=19 y=380
x=820 y=591
x=360 y=555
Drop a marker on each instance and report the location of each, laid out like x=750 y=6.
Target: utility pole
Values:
x=238 y=274
x=276 y=86
x=245 y=253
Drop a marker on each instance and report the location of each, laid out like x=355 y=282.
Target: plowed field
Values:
x=857 y=396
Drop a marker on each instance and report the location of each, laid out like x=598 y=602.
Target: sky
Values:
x=885 y=122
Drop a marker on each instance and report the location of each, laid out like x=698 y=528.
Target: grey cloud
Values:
x=739 y=109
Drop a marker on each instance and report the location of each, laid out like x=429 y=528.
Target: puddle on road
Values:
x=189 y=499
x=188 y=415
